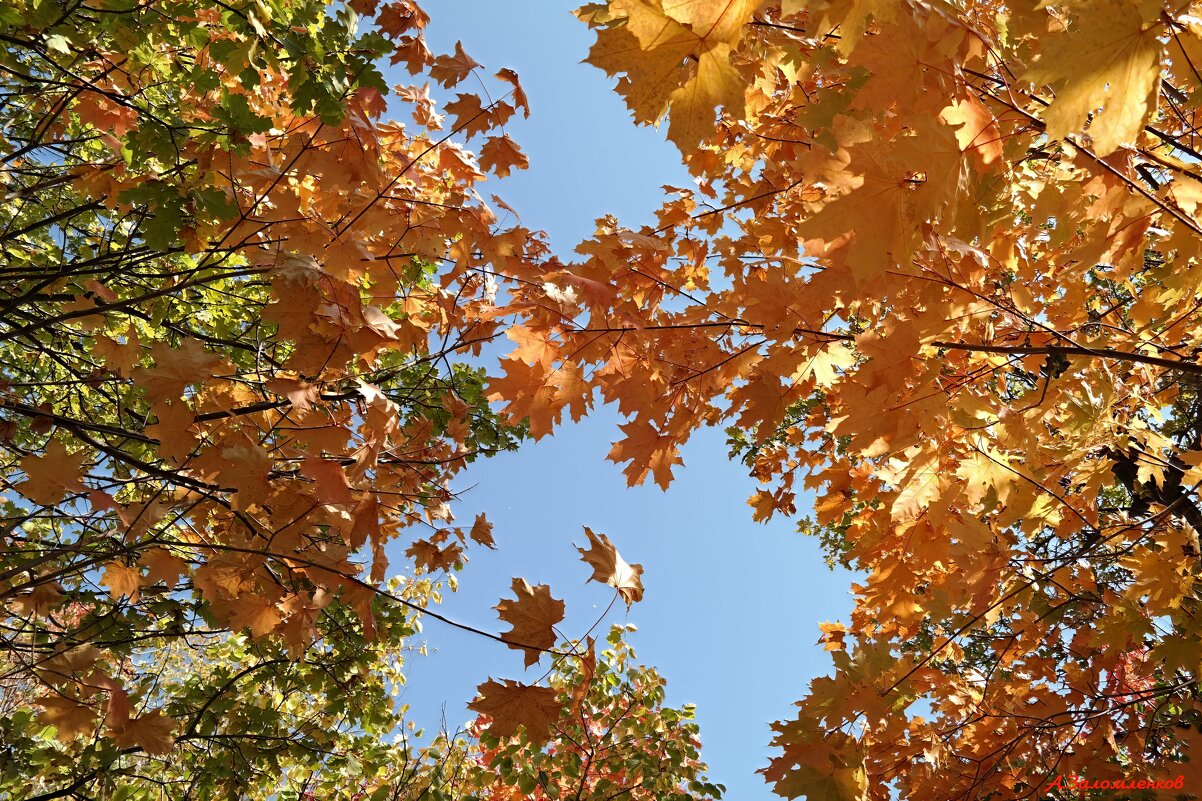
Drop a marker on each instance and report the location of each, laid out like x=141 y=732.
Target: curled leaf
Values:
x=610 y=568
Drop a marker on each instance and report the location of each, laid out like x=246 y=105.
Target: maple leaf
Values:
x=984 y=471
x=162 y=565
x=68 y=717
x=247 y=466
x=832 y=636
x=1109 y=58
x=106 y=114
x=764 y=505
x=330 y=478
x=540 y=392
x=176 y=368
x=300 y=393
x=425 y=111
x=69 y=665
x=398 y=17
x=849 y=17
x=501 y=155
x=44 y=597
x=123 y=581
x=452 y=69
x=519 y=95
x=471 y=117
x=532 y=617
x=481 y=532
x=51 y=475
x=510 y=704
x=822 y=783
x=152 y=732
x=610 y=568
x=649 y=453
x=413 y=51
x=588 y=672
x=261 y=617
x=878 y=204
x=173 y=430
x=433 y=558
x=676 y=56
x=121 y=358
x=532 y=347
x=977 y=128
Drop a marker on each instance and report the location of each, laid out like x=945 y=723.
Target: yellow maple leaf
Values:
x=123 y=581
x=1109 y=58
x=676 y=55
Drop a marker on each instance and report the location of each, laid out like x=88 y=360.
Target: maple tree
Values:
x=238 y=310
x=939 y=266
x=257 y=723
x=611 y=737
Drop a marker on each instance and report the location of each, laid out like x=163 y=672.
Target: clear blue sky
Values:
x=731 y=608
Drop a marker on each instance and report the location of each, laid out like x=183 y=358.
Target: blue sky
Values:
x=731 y=608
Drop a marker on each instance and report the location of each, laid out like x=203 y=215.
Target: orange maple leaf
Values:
x=649 y=453
x=51 y=474
x=451 y=69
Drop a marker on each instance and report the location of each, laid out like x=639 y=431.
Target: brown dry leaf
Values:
x=153 y=733
x=431 y=558
x=248 y=469
x=449 y=70
x=330 y=478
x=501 y=155
x=588 y=670
x=976 y=128
x=519 y=95
x=176 y=368
x=533 y=617
x=68 y=665
x=68 y=717
x=120 y=358
x=259 y=616
x=482 y=532
x=45 y=596
x=649 y=452
x=300 y=393
x=173 y=430
x=162 y=565
x=511 y=704
x=610 y=568
x=471 y=117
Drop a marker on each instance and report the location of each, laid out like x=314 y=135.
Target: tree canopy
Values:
x=939 y=267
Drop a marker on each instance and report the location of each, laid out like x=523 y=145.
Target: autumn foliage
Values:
x=939 y=268
x=238 y=304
